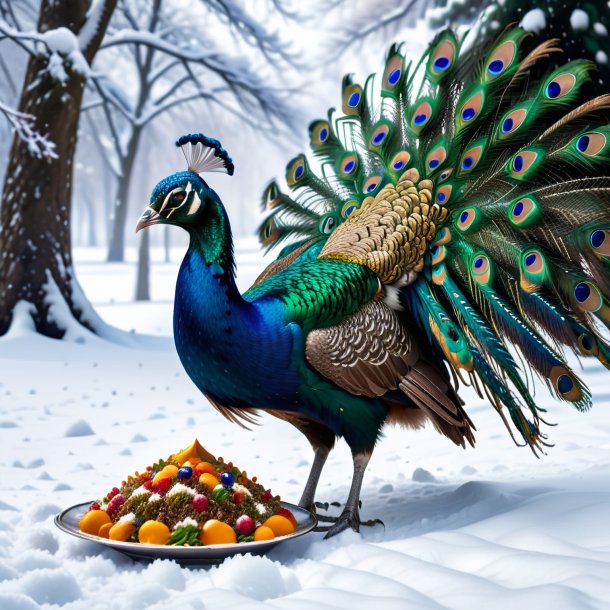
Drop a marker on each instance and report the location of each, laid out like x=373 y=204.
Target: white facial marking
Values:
x=187 y=190
x=195 y=205
x=165 y=201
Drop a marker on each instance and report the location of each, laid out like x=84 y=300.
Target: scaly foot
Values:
x=314 y=508
x=348 y=519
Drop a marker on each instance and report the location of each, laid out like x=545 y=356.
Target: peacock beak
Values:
x=149 y=217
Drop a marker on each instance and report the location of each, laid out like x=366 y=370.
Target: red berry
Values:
x=94 y=506
x=245 y=525
x=267 y=496
x=114 y=504
x=200 y=502
x=113 y=492
x=163 y=486
x=284 y=512
x=238 y=497
x=148 y=485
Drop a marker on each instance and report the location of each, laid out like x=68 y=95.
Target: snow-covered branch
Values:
x=253 y=31
x=389 y=17
x=90 y=28
x=26 y=40
x=249 y=88
x=23 y=124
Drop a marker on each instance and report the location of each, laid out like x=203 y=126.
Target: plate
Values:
x=67 y=521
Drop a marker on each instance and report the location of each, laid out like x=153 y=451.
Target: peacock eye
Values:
x=178 y=198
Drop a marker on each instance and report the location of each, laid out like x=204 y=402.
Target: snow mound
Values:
x=421 y=475
x=79 y=428
x=50 y=586
x=17 y=601
x=258 y=578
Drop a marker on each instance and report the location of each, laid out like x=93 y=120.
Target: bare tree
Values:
x=168 y=70
x=36 y=261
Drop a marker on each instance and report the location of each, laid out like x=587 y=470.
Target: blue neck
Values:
x=210 y=316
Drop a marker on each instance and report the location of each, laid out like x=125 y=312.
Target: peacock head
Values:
x=184 y=198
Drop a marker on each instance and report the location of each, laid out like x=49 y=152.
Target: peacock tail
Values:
x=475 y=183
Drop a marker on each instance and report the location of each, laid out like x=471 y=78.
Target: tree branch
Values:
x=23 y=124
x=172 y=89
x=381 y=21
x=162 y=71
x=147 y=118
x=251 y=31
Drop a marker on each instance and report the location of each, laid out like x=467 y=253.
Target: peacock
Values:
x=451 y=226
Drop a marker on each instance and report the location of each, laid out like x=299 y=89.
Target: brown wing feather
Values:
x=366 y=354
x=371 y=353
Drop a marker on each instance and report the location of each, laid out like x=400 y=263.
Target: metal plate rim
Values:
x=306 y=520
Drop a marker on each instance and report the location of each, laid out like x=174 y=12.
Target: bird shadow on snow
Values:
x=418 y=509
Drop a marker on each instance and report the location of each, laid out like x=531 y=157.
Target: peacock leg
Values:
x=307 y=499
x=350 y=517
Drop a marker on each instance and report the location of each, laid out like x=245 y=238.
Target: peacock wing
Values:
x=371 y=353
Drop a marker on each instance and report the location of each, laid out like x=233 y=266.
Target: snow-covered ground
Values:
x=489 y=527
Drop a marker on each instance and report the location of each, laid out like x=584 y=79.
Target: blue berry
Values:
x=186 y=472
x=227 y=479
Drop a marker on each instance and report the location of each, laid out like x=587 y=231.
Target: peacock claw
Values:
x=348 y=519
x=327 y=518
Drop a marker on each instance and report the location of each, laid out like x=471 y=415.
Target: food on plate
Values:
x=190 y=499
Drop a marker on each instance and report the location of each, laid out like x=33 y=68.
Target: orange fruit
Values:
x=91 y=521
x=167 y=472
x=209 y=480
x=263 y=533
x=217 y=532
x=121 y=530
x=284 y=512
x=279 y=525
x=154 y=532
x=170 y=470
x=204 y=467
x=104 y=530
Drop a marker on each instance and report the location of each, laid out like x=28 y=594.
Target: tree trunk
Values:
x=116 y=249
x=143 y=273
x=90 y=222
x=36 y=262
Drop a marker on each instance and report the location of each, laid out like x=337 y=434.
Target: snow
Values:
x=63 y=48
x=579 y=20
x=91 y=26
x=60 y=40
x=487 y=527
x=534 y=21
